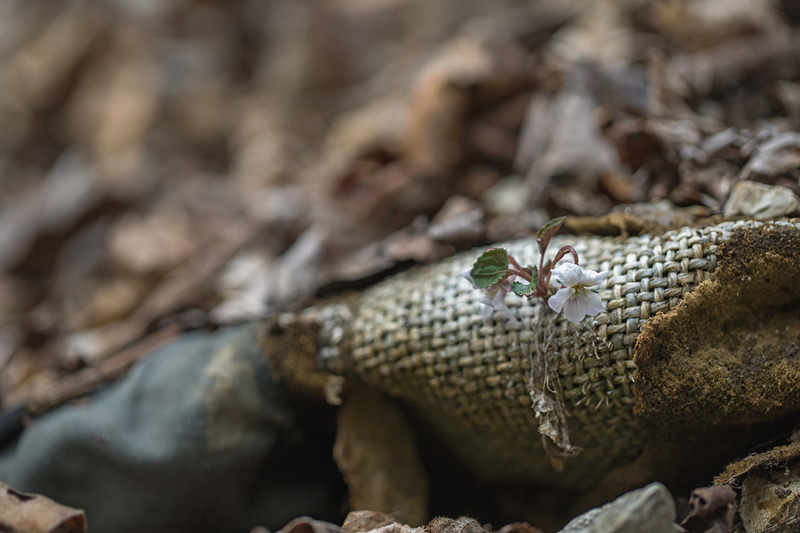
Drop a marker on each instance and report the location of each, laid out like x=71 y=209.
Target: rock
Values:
x=201 y=422
x=771 y=501
x=506 y=197
x=650 y=509
x=760 y=201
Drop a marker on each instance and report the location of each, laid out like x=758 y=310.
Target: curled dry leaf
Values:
x=775 y=156
x=376 y=451
x=357 y=521
x=309 y=525
x=31 y=513
x=561 y=137
x=770 y=501
x=712 y=510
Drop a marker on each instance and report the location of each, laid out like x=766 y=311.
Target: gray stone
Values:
x=506 y=197
x=649 y=509
x=196 y=437
x=760 y=201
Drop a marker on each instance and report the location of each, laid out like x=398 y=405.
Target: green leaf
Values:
x=522 y=289
x=526 y=289
x=490 y=268
x=547 y=231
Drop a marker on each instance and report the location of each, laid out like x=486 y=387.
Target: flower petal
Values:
x=557 y=301
x=506 y=283
x=495 y=301
x=575 y=309
x=568 y=274
x=497 y=298
x=594 y=304
x=509 y=314
x=467 y=275
x=591 y=278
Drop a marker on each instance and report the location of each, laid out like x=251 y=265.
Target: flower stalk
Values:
x=495 y=272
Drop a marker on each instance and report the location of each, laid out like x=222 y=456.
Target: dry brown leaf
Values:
x=309 y=525
x=774 y=157
x=358 y=521
x=561 y=138
x=377 y=453
x=441 y=97
x=519 y=527
x=31 y=513
x=41 y=69
x=713 y=510
x=158 y=242
x=56 y=204
x=459 y=221
x=733 y=60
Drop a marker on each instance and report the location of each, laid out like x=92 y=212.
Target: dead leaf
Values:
x=519 y=527
x=463 y=524
x=177 y=290
x=465 y=69
x=769 y=500
x=69 y=192
x=459 y=221
x=712 y=510
x=733 y=60
x=157 y=242
x=309 y=525
x=377 y=453
x=41 y=69
x=31 y=513
x=774 y=157
x=358 y=521
x=561 y=138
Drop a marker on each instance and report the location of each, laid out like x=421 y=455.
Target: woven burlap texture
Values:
x=419 y=336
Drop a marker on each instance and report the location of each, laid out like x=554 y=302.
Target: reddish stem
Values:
x=564 y=251
x=518 y=270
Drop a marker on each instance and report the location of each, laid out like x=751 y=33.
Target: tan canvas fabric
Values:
x=420 y=337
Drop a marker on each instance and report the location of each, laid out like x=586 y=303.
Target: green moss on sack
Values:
x=729 y=354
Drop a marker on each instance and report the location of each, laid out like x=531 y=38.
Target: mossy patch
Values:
x=729 y=354
x=288 y=345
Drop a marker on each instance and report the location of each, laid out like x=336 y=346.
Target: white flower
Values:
x=467 y=275
x=573 y=297
x=495 y=299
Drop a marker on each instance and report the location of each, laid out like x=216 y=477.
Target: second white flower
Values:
x=574 y=298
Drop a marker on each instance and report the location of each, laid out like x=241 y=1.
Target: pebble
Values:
x=650 y=509
x=760 y=201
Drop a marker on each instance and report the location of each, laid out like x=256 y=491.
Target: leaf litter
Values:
x=152 y=155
